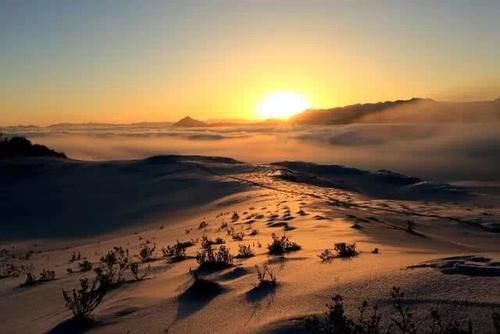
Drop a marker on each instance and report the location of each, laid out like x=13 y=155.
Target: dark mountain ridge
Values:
x=404 y=111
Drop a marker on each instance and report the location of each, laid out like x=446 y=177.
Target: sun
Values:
x=281 y=105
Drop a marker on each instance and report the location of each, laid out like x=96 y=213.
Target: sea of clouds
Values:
x=444 y=152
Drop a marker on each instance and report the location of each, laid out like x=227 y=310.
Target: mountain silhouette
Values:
x=190 y=122
x=404 y=111
x=22 y=147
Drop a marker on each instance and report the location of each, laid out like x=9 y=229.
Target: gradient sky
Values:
x=130 y=61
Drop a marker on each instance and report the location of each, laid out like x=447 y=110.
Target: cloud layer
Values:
x=436 y=151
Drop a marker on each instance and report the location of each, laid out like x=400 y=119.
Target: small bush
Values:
x=346 y=250
x=85 y=266
x=375 y=251
x=112 y=266
x=410 y=226
x=202 y=225
x=245 y=251
x=83 y=301
x=134 y=268
x=265 y=276
x=175 y=253
x=336 y=320
x=223 y=226
x=253 y=232
x=30 y=279
x=235 y=217
x=75 y=256
x=9 y=270
x=238 y=236
x=146 y=252
x=281 y=245
x=45 y=276
x=212 y=260
x=327 y=255
x=217 y=241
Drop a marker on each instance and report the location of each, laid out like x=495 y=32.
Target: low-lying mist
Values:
x=445 y=152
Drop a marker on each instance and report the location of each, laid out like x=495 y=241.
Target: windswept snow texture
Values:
x=379 y=184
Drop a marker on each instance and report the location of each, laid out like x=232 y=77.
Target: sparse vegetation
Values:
x=327 y=255
x=410 y=226
x=345 y=250
x=281 y=245
x=134 y=268
x=213 y=260
x=403 y=320
x=75 y=256
x=10 y=270
x=85 y=266
x=202 y=225
x=253 y=232
x=238 y=236
x=340 y=250
x=176 y=252
x=265 y=276
x=217 y=241
x=112 y=267
x=83 y=301
x=245 y=251
x=223 y=226
x=146 y=251
x=44 y=276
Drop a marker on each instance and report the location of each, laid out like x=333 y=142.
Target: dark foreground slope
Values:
x=46 y=197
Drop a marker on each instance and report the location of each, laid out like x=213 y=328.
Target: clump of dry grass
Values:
x=265 y=276
x=176 y=252
x=44 y=276
x=245 y=251
x=327 y=255
x=345 y=250
x=11 y=270
x=238 y=236
x=85 y=266
x=146 y=251
x=210 y=259
x=83 y=301
x=340 y=250
x=281 y=245
x=402 y=319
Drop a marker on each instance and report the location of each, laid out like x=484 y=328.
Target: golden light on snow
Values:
x=281 y=105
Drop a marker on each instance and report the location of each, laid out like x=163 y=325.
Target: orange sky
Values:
x=95 y=61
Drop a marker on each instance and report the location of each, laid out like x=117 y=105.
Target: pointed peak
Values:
x=188 y=121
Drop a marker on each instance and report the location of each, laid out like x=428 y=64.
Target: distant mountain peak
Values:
x=190 y=122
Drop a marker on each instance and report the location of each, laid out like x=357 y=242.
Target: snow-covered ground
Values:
x=52 y=208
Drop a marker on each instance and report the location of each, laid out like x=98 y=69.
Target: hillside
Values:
x=21 y=147
x=404 y=111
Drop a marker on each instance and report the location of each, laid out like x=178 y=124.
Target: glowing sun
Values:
x=281 y=105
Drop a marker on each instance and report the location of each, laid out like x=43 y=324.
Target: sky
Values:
x=131 y=61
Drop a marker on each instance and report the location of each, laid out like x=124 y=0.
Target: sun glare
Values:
x=281 y=105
